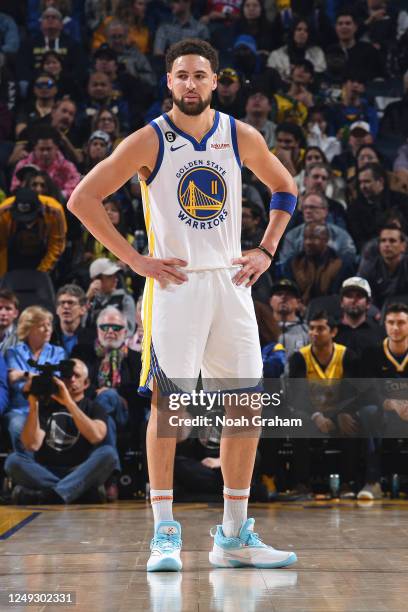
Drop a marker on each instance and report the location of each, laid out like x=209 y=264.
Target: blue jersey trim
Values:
x=198 y=146
x=160 y=155
x=235 y=140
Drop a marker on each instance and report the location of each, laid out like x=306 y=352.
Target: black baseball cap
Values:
x=285 y=285
x=26 y=206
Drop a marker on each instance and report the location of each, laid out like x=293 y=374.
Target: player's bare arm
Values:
x=256 y=156
x=136 y=154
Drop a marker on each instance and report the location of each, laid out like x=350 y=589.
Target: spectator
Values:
x=229 y=97
x=288 y=149
x=9 y=306
x=359 y=135
x=316 y=125
x=69 y=332
x=63 y=117
x=286 y=306
x=335 y=188
x=100 y=95
x=357 y=330
x=132 y=13
x=4 y=389
x=9 y=36
x=136 y=91
x=45 y=91
x=300 y=84
x=52 y=37
x=299 y=47
x=103 y=292
x=34 y=331
x=394 y=122
x=245 y=58
x=323 y=363
x=106 y=121
x=253 y=21
x=317 y=270
x=383 y=415
x=47 y=156
x=353 y=108
x=258 y=108
x=252 y=226
x=366 y=154
x=182 y=26
x=134 y=61
x=348 y=53
x=315 y=209
x=387 y=273
x=319 y=178
x=32 y=232
x=65 y=436
x=68 y=85
x=221 y=12
x=374 y=203
x=72 y=26
x=98 y=148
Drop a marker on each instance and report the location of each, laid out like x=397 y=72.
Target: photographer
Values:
x=65 y=435
x=34 y=330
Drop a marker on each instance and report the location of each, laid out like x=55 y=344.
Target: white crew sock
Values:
x=162 y=505
x=235 y=510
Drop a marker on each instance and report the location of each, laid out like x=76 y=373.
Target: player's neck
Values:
x=398 y=348
x=196 y=126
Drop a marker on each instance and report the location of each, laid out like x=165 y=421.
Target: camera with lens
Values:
x=43 y=385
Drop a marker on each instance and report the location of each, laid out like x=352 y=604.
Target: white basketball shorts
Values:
x=206 y=324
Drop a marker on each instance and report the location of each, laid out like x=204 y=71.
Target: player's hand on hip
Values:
x=254 y=263
x=163 y=270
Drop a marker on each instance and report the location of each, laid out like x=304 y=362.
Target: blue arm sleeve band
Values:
x=281 y=200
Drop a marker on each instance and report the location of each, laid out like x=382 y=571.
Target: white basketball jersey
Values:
x=192 y=199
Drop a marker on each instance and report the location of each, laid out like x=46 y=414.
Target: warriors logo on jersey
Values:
x=202 y=193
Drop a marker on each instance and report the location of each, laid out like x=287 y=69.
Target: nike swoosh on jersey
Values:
x=179 y=147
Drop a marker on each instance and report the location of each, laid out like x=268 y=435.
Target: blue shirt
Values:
x=17 y=359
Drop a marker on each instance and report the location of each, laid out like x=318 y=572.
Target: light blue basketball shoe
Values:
x=246 y=550
x=165 y=548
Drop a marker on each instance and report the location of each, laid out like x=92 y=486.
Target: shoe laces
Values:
x=253 y=539
x=166 y=541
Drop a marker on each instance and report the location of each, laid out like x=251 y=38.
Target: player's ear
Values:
x=214 y=83
x=169 y=80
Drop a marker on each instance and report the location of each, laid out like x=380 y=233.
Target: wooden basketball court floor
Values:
x=353 y=557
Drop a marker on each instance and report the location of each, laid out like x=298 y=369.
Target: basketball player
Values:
x=197 y=311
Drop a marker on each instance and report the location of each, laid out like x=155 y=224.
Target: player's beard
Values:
x=192 y=109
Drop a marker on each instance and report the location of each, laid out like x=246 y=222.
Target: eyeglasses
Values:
x=307 y=207
x=114 y=327
x=45 y=84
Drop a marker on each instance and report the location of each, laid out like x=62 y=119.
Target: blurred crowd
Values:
x=326 y=84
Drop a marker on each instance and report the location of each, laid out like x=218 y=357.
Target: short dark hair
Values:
x=10 y=296
x=395 y=228
x=377 y=171
x=192 y=46
x=347 y=11
x=396 y=307
x=291 y=128
x=46 y=132
x=74 y=291
x=306 y=64
x=326 y=316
